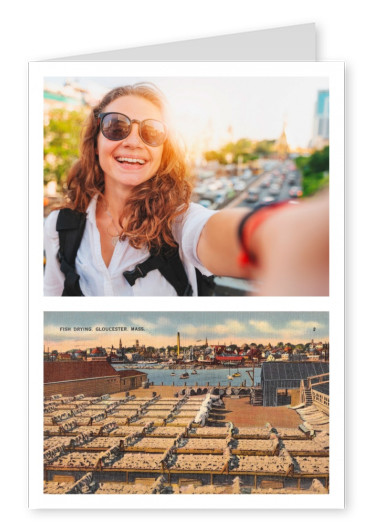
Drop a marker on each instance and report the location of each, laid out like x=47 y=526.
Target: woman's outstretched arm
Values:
x=218 y=247
x=291 y=248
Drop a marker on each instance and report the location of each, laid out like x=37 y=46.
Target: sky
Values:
x=203 y=109
x=160 y=328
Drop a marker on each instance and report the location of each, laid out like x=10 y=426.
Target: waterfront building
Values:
x=315 y=390
x=64 y=356
x=288 y=375
x=94 y=379
x=133 y=356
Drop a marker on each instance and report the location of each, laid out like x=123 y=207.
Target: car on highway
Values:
x=239 y=186
x=268 y=199
x=295 y=191
x=220 y=198
x=253 y=196
x=274 y=189
x=247 y=174
x=205 y=203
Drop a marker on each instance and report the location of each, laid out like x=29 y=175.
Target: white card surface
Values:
x=279 y=44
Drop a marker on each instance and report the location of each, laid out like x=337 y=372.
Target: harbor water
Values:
x=204 y=377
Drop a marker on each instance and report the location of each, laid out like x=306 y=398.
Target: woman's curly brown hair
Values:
x=153 y=205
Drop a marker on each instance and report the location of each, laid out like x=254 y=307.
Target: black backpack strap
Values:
x=70 y=225
x=205 y=284
x=169 y=264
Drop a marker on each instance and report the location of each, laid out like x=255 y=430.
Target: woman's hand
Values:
x=292 y=250
x=291 y=247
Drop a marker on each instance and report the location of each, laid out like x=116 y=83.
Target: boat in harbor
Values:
x=229 y=376
x=172 y=374
x=194 y=371
x=184 y=376
x=236 y=374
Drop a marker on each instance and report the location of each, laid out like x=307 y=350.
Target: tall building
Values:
x=320 y=136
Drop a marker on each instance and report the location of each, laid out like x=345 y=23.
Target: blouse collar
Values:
x=92 y=209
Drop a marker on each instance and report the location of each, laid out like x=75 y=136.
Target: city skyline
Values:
x=160 y=329
x=209 y=112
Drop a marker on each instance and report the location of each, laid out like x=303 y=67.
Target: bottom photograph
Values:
x=186 y=403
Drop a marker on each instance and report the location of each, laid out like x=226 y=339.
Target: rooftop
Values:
x=292 y=371
x=78 y=370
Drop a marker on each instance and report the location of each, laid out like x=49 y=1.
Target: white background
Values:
x=41 y=30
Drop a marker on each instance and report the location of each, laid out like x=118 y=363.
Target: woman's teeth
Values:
x=130 y=161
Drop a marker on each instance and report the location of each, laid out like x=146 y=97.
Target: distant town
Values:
x=205 y=354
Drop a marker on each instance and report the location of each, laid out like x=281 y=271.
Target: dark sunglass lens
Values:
x=153 y=132
x=115 y=126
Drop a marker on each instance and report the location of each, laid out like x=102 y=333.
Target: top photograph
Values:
x=186 y=186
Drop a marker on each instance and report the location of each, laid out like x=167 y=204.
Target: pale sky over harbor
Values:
x=203 y=109
x=160 y=328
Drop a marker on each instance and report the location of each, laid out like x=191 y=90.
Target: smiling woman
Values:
x=130 y=195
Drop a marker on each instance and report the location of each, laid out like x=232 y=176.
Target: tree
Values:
x=264 y=147
x=319 y=161
x=233 y=150
x=61 y=143
x=315 y=171
x=214 y=155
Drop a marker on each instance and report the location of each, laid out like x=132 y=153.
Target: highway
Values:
x=276 y=183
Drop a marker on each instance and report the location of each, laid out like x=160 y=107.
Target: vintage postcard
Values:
x=214 y=403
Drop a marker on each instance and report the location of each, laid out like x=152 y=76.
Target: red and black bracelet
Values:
x=247 y=227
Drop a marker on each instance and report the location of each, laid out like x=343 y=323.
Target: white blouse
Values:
x=98 y=280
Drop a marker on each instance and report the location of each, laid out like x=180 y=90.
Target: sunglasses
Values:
x=117 y=126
